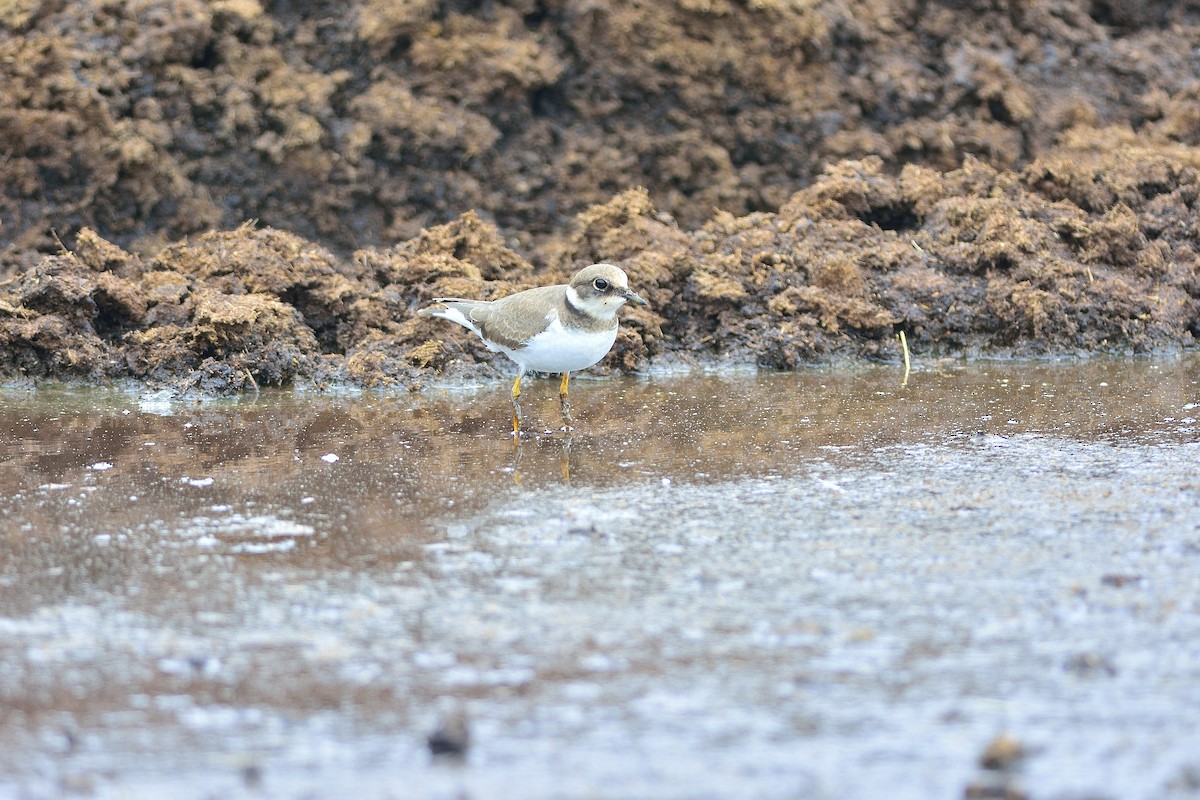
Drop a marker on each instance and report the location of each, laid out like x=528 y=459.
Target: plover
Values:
x=561 y=328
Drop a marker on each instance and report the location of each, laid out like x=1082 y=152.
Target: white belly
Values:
x=558 y=350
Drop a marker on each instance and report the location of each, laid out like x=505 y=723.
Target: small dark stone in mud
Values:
x=999 y=760
x=452 y=737
x=1089 y=665
x=992 y=789
x=78 y=783
x=1120 y=581
x=1002 y=752
x=252 y=776
x=1188 y=780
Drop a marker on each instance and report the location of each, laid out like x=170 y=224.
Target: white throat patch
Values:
x=573 y=297
x=598 y=307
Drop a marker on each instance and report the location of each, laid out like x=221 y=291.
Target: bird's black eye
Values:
x=600 y=284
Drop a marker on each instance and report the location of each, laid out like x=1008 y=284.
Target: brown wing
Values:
x=514 y=320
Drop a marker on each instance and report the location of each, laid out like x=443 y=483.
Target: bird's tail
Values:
x=456 y=310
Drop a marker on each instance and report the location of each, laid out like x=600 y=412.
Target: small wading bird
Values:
x=560 y=328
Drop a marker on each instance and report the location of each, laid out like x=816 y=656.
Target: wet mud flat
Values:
x=819 y=584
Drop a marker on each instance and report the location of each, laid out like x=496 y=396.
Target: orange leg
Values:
x=563 y=403
x=516 y=394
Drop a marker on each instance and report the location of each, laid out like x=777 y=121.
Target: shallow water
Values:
x=818 y=584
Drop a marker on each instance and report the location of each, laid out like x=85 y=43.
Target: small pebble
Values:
x=1001 y=753
x=994 y=790
x=252 y=776
x=452 y=737
x=1087 y=665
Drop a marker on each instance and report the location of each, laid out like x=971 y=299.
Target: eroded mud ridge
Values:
x=969 y=261
x=986 y=177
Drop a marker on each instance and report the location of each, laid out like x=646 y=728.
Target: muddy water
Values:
x=819 y=584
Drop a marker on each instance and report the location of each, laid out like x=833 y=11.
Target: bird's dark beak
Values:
x=634 y=297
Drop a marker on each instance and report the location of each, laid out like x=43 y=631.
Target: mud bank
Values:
x=358 y=124
x=972 y=261
x=986 y=177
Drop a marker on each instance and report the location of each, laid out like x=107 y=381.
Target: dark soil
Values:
x=987 y=177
